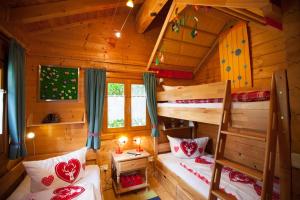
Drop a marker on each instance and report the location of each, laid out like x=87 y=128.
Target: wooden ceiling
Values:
x=183 y=52
x=84 y=30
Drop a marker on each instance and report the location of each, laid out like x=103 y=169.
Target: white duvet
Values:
x=87 y=187
x=198 y=176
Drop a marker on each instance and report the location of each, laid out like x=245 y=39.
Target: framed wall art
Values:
x=58 y=83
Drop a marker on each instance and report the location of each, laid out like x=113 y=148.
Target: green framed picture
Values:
x=58 y=83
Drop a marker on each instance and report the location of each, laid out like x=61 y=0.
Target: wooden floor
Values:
x=155 y=186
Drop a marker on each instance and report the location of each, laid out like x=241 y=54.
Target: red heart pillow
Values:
x=187 y=148
x=56 y=172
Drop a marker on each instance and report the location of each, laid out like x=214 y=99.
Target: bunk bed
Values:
x=190 y=179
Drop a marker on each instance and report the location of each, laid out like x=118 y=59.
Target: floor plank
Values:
x=155 y=186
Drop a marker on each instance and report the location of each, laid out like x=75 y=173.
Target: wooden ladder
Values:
x=266 y=176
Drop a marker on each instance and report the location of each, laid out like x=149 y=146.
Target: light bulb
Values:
x=138 y=140
x=123 y=140
x=130 y=3
x=30 y=135
x=118 y=34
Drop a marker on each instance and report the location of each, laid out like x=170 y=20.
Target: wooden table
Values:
x=126 y=163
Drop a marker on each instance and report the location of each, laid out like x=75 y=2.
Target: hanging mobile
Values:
x=194 y=31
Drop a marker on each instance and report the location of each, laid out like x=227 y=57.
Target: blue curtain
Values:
x=94 y=101
x=16 y=100
x=150 y=86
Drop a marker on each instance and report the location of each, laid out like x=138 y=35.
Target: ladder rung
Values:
x=222 y=195
x=241 y=168
x=249 y=135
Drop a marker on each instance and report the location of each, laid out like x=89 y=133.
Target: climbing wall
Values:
x=235 y=57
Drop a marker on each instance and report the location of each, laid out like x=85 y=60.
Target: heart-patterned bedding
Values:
x=187 y=148
x=60 y=171
x=71 y=192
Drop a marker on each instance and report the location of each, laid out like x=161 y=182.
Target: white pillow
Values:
x=168 y=87
x=56 y=172
x=188 y=148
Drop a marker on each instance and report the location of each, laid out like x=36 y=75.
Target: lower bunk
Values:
x=189 y=179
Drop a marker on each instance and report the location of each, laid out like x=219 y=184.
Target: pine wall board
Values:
x=291 y=22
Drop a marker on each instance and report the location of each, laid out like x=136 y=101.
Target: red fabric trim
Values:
x=163 y=73
x=236 y=97
x=274 y=23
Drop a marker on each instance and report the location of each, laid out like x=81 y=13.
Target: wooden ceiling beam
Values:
x=35 y=13
x=63 y=26
x=147 y=13
x=161 y=34
x=227 y=3
x=238 y=14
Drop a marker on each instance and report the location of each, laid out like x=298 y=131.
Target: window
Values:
x=138 y=105
x=116 y=105
x=125 y=106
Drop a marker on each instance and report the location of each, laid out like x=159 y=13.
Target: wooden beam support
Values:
x=178 y=9
x=241 y=16
x=147 y=13
x=35 y=13
x=227 y=3
x=214 y=45
x=161 y=34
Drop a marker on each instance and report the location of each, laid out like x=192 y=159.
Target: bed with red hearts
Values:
x=192 y=178
x=203 y=103
x=65 y=177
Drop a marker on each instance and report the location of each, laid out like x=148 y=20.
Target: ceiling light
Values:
x=130 y=3
x=118 y=34
x=30 y=135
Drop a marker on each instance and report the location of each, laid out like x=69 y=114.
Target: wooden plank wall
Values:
x=267 y=49
x=291 y=22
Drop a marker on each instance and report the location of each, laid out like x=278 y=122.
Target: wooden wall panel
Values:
x=291 y=22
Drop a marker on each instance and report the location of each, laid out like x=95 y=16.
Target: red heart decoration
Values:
x=241 y=178
x=68 y=171
x=200 y=150
x=47 y=180
x=188 y=148
x=176 y=148
x=67 y=193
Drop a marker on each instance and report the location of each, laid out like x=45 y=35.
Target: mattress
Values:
x=92 y=176
x=198 y=175
x=259 y=105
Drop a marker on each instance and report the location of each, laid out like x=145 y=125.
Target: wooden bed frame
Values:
x=240 y=118
x=10 y=181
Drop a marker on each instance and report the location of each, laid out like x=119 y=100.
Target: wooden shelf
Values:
x=32 y=124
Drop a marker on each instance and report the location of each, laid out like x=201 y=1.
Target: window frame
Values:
x=127 y=107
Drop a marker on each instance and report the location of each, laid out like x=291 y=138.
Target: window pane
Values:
x=138 y=105
x=115 y=102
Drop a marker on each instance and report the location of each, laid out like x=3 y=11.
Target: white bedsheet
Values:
x=198 y=176
x=261 y=105
x=92 y=176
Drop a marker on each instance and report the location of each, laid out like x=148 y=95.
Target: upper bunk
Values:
x=204 y=103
